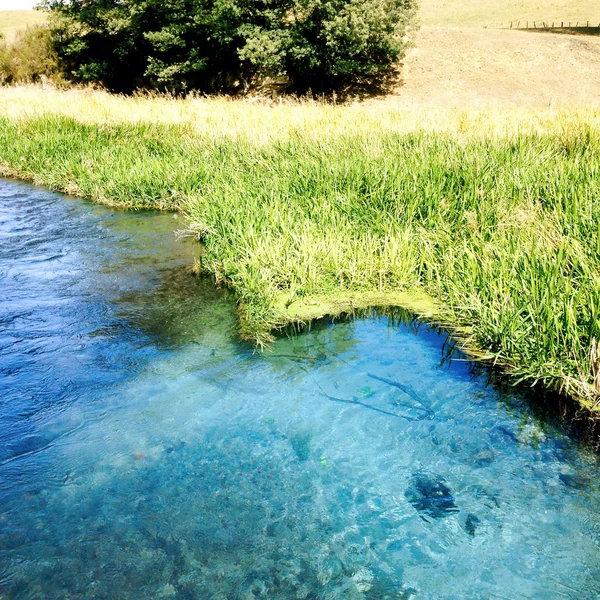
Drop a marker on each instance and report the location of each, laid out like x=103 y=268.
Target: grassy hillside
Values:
x=488 y=221
x=13 y=20
x=494 y=13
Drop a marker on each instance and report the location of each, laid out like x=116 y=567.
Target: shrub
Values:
x=29 y=58
x=5 y=62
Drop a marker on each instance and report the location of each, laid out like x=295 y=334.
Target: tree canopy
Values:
x=224 y=45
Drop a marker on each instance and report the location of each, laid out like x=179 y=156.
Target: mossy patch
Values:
x=306 y=309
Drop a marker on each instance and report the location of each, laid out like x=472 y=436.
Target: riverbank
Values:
x=485 y=220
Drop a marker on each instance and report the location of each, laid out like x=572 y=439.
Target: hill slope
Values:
x=483 y=67
x=13 y=20
x=465 y=57
x=499 y=13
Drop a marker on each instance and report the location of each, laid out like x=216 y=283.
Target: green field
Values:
x=488 y=222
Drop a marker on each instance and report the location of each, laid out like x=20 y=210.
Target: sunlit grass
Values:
x=263 y=121
x=493 y=214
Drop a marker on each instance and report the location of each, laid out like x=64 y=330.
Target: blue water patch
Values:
x=146 y=453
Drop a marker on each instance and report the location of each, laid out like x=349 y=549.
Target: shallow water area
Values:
x=146 y=453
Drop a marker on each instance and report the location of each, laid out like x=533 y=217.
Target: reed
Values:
x=490 y=226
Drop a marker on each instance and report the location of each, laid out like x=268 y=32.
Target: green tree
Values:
x=212 y=45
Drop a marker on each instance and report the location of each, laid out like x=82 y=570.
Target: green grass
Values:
x=502 y=231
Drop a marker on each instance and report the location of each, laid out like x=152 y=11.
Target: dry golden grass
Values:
x=13 y=20
x=500 y=67
x=495 y=13
x=265 y=120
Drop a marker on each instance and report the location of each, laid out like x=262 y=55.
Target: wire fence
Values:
x=565 y=26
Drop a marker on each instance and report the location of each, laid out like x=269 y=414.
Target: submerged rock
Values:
x=27 y=445
x=301 y=445
x=471 y=524
x=430 y=496
x=574 y=481
x=483 y=458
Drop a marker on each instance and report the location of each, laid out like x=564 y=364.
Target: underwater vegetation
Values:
x=301 y=445
x=471 y=524
x=431 y=496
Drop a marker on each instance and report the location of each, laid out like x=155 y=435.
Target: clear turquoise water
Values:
x=145 y=453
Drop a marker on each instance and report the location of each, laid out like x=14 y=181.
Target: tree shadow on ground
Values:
x=577 y=30
x=356 y=89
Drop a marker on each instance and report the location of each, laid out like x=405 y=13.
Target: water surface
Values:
x=145 y=453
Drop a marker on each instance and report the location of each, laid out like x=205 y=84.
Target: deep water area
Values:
x=145 y=453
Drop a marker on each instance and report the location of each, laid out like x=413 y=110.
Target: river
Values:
x=146 y=453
